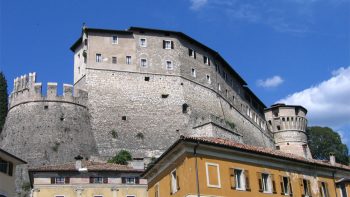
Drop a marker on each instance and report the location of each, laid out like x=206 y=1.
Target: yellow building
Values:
x=8 y=163
x=211 y=167
x=87 y=179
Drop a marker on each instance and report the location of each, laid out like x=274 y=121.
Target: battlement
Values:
x=26 y=89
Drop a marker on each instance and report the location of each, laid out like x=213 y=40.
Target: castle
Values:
x=140 y=89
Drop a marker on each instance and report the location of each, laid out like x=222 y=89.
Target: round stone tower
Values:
x=47 y=129
x=288 y=124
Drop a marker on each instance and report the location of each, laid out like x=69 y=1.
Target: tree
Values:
x=323 y=141
x=3 y=100
x=122 y=158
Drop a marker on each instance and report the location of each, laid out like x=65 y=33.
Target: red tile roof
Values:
x=261 y=150
x=90 y=165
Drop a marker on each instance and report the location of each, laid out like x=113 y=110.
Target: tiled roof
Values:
x=90 y=165
x=261 y=150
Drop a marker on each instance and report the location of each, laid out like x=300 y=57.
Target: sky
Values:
x=291 y=51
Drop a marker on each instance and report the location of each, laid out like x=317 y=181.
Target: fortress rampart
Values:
x=26 y=89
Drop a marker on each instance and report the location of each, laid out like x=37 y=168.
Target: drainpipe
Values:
x=196 y=163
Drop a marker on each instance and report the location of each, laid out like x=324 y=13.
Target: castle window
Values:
x=46 y=107
x=128 y=60
x=185 y=108
x=278 y=127
x=143 y=42
x=98 y=180
x=165 y=95
x=123 y=117
x=98 y=57
x=219 y=87
x=193 y=72
x=169 y=65
x=208 y=79
x=192 y=53
x=146 y=78
x=168 y=44
x=114 y=60
x=278 y=148
x=60 y=180
x=226 y=91
x=114 y=39
x=266 y=183
x=206 y=60
x=143 y=62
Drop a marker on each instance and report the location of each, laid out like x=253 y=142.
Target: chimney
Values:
x=332 y=159
x=78 y=160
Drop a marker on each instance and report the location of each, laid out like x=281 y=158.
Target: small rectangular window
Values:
x=193 y=72
x=169 y=65
x=174 y=182
x=143 y=42
x=219 y=87
x=128 y=60
x=143 y=62
x=286 y=186
x=168 y=44
x=114 y=39
x=208 y=79
x=192 y=53
x=323 y=189
x=266 y=183
x=3 y=166
x=114 y=60
x=206 y=60
x=98 y=57
x=98 y=180
x=306 y=187
x=239 y=178
x=156 y=190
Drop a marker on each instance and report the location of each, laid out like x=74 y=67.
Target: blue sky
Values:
x=295 y=51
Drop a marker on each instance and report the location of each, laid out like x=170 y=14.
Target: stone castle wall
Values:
x=50 y=127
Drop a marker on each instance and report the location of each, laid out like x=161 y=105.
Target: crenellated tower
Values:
x=288 y=124
x=45 y=125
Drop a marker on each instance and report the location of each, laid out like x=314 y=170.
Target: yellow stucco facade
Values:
x=224 y=173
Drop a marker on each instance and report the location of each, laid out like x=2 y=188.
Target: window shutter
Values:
x=170 y=184
x=273 y=184
x=52 y=180
x=290 y=187
x=172 y=44
x=163 y=44
x=194 y=52
x=123 y=180
x=66 y=180
x=282 y=185
x=301 y=187
x=233 y=178
x=105 y=179
x=91 y=180
x=137 y=180
x=10 y=169
x=260 y=181
x=178 y=182
x=247 y=184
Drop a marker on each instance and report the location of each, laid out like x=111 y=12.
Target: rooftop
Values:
x=89 y=165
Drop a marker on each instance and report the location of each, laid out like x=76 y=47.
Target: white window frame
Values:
x=207 y=164
x=126 y=59
x=242 y=179
x=127 y=180
x=174 y=185
x=269 y=186
x=165 y=44
x=60 y=182
x=99 y=58
x=141 y=64
x=340 y=190
x=140 y=42
x=286 y=192
x=171 y=63
x=193 y=72
x=115 y=41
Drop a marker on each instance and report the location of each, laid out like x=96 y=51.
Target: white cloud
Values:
x=328 y=102
x=197 y=4
x=270 y=82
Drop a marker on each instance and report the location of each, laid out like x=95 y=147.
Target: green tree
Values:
x=3 y=100
x=324 y=141
x=122 y=157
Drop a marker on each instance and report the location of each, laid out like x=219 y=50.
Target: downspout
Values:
x=196 y=167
